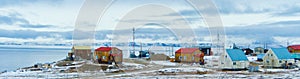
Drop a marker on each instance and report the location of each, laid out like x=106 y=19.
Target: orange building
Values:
x=108 y=55
x=188 y=55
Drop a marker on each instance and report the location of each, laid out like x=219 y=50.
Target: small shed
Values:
x=206 y=50
x=107 y=55
x=188 y=55
x=277 y=57
x=233 y=59
x=259 y=50
x=70 y=56
x=83 y=52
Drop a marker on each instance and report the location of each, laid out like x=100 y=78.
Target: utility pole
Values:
x=133 y=40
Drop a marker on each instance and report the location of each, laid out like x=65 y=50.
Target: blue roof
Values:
x=236 y=55
x=260 y=56
x=282 y=53
x=296 y=55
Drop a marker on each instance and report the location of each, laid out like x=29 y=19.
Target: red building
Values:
x=108 y=55
x=294 y=48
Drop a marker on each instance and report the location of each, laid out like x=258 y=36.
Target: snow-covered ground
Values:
x=165 y=63
x=134 y=68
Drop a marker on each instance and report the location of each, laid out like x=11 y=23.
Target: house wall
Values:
x=177 y=57
x=271 y=60
x=102 y=55
x=82 y=53
x=294 y=50
x=119 y=57
x=188 y=57
x=197 y=58
x=226 y=63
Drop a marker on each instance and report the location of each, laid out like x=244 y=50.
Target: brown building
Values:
x=82 y=52
x=108 y=55
x=188 y=55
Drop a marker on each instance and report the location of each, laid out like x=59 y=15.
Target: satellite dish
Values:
x=136 y=53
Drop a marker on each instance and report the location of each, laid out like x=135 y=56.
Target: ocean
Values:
x=14 y=57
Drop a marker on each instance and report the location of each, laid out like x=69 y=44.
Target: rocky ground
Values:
x=144 y=69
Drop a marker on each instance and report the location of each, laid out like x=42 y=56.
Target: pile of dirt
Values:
x=91 y=67
x=137 y=61
x=160 y=57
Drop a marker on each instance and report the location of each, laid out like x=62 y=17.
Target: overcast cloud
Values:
x=256 y=20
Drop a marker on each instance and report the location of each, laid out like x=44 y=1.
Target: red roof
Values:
x=104 y=49
x=186 y=50
x=295 y=47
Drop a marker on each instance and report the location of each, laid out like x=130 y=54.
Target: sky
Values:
x=246 y=22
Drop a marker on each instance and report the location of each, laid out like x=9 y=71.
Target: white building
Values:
x=277 y=57
x=233 y=59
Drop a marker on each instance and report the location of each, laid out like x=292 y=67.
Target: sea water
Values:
x=14 y=57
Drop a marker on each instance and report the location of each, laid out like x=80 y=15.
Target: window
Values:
x=225 y=56
x=103 y=57
x=184 y=58
x=271 y=54
x=234 y=63
x=267 y=61
x=180 y=57
x=280 y=61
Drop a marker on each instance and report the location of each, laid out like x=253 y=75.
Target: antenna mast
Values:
x=133 y=39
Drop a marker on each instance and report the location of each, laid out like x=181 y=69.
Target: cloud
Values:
x=6 y=3
x=293 y=11
x=265 y=32
x=36 y=26
x=184 y=13
x=12 y=19
x=30 y=34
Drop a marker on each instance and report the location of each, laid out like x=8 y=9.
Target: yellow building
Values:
x=107 y=55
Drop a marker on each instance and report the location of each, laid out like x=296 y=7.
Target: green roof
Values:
x=236 y=55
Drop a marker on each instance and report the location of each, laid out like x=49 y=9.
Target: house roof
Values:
x=297 y=47
x=103 y=49
x=82 y=47
x=186 y=50
x=282 y=53
x=296 y=56
x=236 y=55
x=260 y=56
